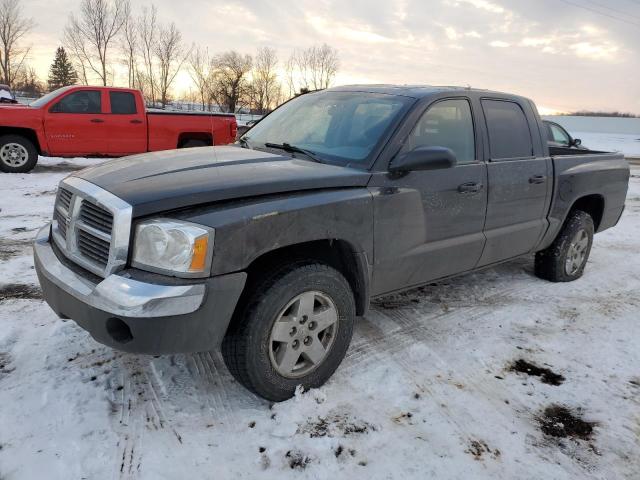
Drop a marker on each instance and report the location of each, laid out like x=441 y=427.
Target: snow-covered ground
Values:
x=427 y=389
x=629 y=144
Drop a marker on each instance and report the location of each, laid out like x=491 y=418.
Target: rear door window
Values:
x=123 y=103
x=508 y=128
x=83 y=101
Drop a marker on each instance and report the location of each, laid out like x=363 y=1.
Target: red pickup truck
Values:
x=103 y=122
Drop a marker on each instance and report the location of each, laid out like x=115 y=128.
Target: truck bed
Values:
x=200 y=114
x=600 y=176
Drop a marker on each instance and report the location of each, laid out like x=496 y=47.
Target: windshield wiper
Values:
x=244 y=143
x=287 y=147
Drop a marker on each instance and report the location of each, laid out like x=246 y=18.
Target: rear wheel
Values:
x=17 y=154
x=294 y=330
x=565 y=259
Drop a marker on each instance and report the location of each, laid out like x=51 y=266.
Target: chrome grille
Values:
x=64 y=198
x=62 y=222
x=91 y=226
x=93 y=247
x=96 y=217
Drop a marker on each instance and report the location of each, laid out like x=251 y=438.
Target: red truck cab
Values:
x=101 y=121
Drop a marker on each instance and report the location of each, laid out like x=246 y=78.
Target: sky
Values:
x=566 y=55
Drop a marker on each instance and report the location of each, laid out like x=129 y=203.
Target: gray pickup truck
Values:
x=271 y=248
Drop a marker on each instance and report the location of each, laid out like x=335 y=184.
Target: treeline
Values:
x=108 y=42
x=586 y=113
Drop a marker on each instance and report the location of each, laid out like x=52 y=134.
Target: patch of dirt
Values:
x=297 y=460
x=403 y=418
x=546 y=375
x=58 y=167
x=5 y=364
x=335 y=425
x=559 y=421
x=14 y=291
x=13 y=248
x=41 y=194
x=479 y=449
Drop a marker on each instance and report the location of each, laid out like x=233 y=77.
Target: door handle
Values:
x=136 y=121
x=536 y=179
x=97 y=120
x=470 y=187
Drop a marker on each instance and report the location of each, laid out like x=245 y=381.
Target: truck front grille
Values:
x=96 y=217
x=91 y=226
x=93 y=247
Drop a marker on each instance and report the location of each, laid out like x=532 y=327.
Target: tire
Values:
x=253 y=348
x=565 y=259
x=17 y=154
x=194 y=144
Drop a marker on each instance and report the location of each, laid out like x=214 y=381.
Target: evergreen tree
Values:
x=62 y=72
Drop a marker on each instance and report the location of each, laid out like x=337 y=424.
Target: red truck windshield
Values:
x=342 y=127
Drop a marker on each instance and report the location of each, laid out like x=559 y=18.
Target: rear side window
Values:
x=446 y=124
x=122 y=103
x=84 y=101
x=509 y=134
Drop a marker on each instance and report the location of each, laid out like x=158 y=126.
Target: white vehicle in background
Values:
x=6 y=95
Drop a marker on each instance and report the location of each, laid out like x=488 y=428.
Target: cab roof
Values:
x=416 y=91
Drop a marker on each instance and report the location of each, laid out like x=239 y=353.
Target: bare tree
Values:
x=171 y=55
x=129 y=45
x=90 y=35
x=13 y=27
x=28 y=83
x=230 y=87
x=313 y=68
x=200 y=73
x=265 y=88
x=147 y=28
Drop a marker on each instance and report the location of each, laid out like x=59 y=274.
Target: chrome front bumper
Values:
x=116 y=294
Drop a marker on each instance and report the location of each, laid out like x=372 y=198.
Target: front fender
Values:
x=249 y=228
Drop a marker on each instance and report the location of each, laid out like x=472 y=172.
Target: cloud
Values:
x=568 y=52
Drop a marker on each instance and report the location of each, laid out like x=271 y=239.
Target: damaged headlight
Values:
x=173 y=247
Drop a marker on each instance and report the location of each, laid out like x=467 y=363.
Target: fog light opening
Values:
x=118 y=330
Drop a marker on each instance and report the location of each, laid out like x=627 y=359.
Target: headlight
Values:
x=173 y=247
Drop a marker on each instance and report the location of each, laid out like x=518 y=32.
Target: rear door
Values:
x=428 y=224
x=127 y=124
x=76 y=124
x=520 y=180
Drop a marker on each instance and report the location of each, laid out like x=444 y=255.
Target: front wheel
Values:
x=17 y=154
x=565 y=259
x=295 y=329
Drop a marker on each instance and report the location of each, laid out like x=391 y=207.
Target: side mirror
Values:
x=424 y=158
x=576 y=142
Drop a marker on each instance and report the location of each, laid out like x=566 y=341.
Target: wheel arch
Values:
x=28 y=133
x=184 y=137
x=336 y=253
x=593 y=204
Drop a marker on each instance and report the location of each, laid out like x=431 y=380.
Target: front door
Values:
x=76 y=124
x=520 y=183
x=428 y=224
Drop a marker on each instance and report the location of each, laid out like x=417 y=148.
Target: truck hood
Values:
x=13 y=106
x=162 y=181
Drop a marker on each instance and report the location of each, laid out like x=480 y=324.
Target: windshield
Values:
x=42 y=101
x=342 y=127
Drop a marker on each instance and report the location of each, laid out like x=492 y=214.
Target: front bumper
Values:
x=138 y=316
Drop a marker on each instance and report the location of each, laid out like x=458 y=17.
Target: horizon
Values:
x=563 y=54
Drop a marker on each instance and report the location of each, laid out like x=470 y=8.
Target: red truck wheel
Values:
x=17 y=154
